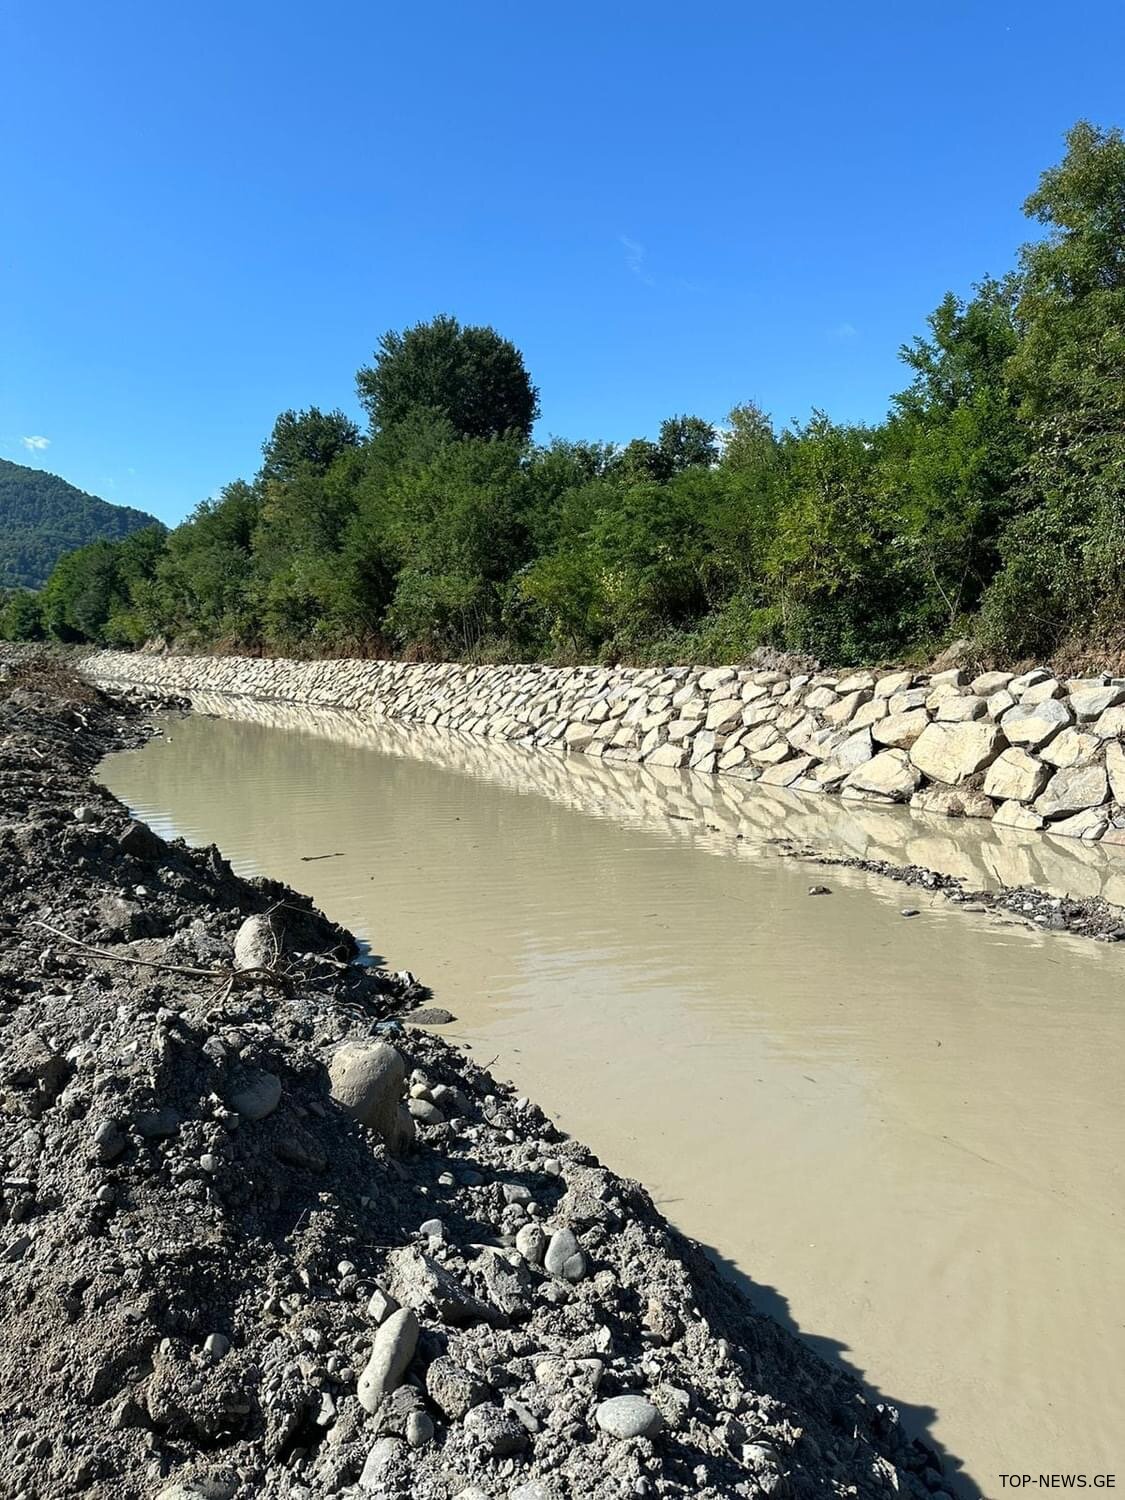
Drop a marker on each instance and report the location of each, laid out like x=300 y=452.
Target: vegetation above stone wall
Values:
x=991 y=501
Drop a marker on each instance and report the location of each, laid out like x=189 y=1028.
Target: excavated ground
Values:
x=199 y=1246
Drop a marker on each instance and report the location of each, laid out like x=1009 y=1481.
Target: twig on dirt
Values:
x=230 y=977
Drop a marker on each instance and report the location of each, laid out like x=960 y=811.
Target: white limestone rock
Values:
x=954 y=752
x=1071 y=747
x=961 y=709
x=898 y=731
x=1015 y=776
x=1072 y=790
x=888 y=774
x=1091 y=702
x=1034 y=724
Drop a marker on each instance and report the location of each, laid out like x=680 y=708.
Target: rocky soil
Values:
x=262 y=1236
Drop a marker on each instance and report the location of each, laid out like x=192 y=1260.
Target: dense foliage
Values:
x=991 y=499
x=41 y=517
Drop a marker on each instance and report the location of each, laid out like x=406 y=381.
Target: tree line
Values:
x=990 y=501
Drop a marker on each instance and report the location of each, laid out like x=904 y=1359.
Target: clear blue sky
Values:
x=209 y=212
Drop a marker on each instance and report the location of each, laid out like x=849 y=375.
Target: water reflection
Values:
x=984 y=856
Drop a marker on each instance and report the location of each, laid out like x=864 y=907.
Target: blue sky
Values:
x=210 y=212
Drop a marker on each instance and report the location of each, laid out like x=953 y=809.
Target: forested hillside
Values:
x=989 y=501
x=42 y=517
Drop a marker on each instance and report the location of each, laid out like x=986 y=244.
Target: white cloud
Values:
x=35 y=444
x=635 y=258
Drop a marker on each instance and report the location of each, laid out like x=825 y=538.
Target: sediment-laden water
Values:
x=906 y=1134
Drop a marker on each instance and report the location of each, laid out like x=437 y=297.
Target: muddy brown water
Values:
x=905 y=1137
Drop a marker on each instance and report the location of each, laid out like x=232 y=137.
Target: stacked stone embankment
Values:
x=1028 y=751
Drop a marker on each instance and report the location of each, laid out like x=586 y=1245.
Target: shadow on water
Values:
x=916 y=1420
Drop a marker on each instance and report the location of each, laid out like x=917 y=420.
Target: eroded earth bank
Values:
x=246 y=1252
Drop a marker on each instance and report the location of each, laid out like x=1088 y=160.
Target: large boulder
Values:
x=1033 y=724
x=367 y=1079
x=844 y=711
x=1015 y=776
x=961 y=709
x=899 y=731
x=1090 y=703
x=888 y=774
x=1072 y=747
x=787 y=772
x=1073 y=790
x=954 y=752
x=577 y=736
x=990 y=682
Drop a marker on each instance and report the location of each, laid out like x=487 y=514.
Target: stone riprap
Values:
x=1031 y=751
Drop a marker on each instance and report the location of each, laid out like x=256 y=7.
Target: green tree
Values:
x=750 y=442
x=306 y=441
x=687 y=443
x=951 y=451
x=1064 y=555
x=205 y=580
x=21 y=618
x=470 y=376
x=457 y=530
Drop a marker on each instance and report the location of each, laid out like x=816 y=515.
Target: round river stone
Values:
x=628 y=1417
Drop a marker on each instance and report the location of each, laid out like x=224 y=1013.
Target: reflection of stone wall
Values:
x=1029 y=752
x=718 y=809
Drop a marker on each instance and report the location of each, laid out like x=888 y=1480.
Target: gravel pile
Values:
x=260 y=1236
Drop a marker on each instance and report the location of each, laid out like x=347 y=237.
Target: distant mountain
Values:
x=41 y=517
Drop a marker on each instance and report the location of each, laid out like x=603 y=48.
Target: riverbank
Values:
x=202 y=1247
x=1032 y=753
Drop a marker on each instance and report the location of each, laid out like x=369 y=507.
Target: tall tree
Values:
x=688 y=443
x=305 y=442
x=470 y=376
x=1064 y=557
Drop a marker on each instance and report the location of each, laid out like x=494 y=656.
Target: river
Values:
x=904 y=1136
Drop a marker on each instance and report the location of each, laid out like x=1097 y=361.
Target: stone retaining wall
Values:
x=1027 y=752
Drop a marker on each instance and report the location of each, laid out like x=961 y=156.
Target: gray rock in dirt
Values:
x=109 y=1142
x=256 y=943
x=391 y=1353
x=1073 y=790
x=418 y=1281
x=424 y=1112
x=628 y=1417
x=367 y=1079
x=531 y=1242
x=498 y=1431
x=453 y=1389
x=564 y=1256
x=381 y=1456
x=255 y=1095
x=419 y=1429
x=199 y=1489
x=380 y=1305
